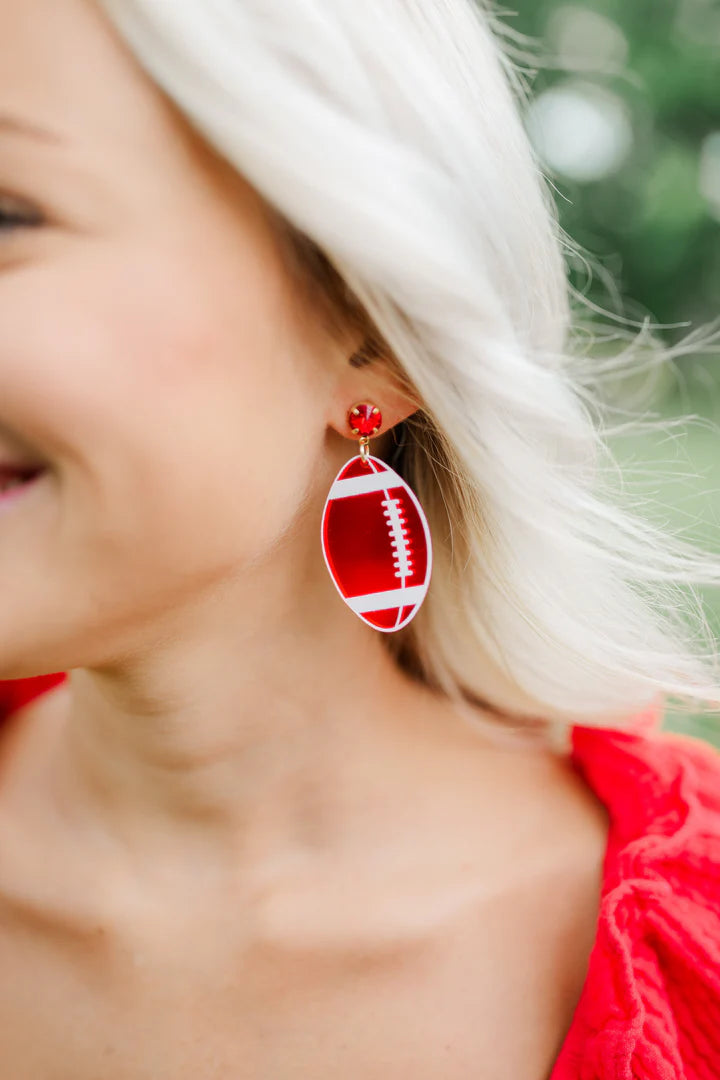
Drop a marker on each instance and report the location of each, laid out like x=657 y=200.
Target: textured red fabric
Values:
x=650 y=1005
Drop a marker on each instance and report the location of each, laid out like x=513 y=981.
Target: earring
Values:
x=375 y=536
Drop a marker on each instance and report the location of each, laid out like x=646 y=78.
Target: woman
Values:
x=244 y=833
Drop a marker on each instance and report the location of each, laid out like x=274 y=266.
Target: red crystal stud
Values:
x=364 y=418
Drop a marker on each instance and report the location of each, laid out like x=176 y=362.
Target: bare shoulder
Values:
x=535 y=817
x=534 y=790
x=527 y=839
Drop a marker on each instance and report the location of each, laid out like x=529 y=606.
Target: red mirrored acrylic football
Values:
x=376 y=543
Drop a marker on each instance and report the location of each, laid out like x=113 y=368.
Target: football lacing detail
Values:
x=399 y=537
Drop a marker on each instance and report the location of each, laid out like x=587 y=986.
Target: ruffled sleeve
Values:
x=650 y=1005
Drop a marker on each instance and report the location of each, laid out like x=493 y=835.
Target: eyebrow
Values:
x=15 y=126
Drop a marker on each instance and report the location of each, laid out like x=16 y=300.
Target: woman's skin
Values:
x=240 y=843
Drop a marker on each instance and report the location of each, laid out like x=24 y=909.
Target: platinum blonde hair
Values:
x=389 y=136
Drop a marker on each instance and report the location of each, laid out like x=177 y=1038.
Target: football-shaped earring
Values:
x=375 y=536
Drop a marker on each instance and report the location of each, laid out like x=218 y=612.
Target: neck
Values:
x=219 y=748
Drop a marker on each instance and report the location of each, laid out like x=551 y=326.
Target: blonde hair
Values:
x=388 y=138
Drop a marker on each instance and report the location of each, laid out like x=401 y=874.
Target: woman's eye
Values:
x=13 y=215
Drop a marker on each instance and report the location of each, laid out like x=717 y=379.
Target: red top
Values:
x=650 y=1005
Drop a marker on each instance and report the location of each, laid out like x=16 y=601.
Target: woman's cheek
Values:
x=170 y=395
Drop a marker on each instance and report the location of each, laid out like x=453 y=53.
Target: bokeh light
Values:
x=580 y=130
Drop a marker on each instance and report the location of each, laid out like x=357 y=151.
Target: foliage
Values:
x=646 y=74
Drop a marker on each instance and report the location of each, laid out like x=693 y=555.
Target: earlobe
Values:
x=368 y=376
x=393 y=402
x=392 y=414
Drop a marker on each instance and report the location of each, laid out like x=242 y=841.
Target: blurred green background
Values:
x=625 y=118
